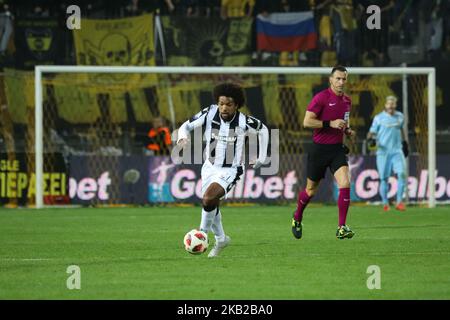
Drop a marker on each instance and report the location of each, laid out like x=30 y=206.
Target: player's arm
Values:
x=196 y=121
x=311 y=121
x=371 y=135
x=373 y=129
x=263 y=142
x=257 y=127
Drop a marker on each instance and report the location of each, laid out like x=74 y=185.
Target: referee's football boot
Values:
x=297 y=228
x=344 y=232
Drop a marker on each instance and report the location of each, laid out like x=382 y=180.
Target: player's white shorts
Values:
x=225 y=176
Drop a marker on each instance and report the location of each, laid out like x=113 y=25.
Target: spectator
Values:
x=322 y=14
x=167 y=7
x=236 y=8
x=133 y=9
x=446 y=47
x=403 y=23
x=434 y=19
x=39 y=11
x=344 y=26
x=159 y=140
x=187 y=8
x=208 y=8
x=446 y=50
x=6 y=28
x=264 y=7
x=374 y=42
x=97 y=9
x=294 y=5
x=138 y=7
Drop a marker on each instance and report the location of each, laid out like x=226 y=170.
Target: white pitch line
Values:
x=25 y=259
x=233 y=256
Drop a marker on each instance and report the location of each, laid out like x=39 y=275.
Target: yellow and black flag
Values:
x=116 y=42
x=111 y=42
x=207 y=42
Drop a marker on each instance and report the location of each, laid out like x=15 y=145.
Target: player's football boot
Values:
x=297 y=228
x=344 y=232
x=218 y=247
x=386 y=207
x=400 y=206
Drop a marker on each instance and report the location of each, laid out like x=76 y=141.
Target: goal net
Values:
x=86 y=142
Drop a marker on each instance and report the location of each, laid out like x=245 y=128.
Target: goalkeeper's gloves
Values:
x=405 y=148
x=371 y=144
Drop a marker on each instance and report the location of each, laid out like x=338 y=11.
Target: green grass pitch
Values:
x=137 y=253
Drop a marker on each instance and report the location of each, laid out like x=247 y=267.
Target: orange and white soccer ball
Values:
x=196 y=241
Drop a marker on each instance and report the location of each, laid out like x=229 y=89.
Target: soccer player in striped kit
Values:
x=225 y=132
x=328 y=114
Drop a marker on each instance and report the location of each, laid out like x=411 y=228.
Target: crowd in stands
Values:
x=412 y=31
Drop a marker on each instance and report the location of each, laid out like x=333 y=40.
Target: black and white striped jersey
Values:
x=225 y=141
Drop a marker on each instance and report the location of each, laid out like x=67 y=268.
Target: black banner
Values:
x=38 y=41
x=207 y=42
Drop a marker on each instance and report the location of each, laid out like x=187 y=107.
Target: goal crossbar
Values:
x=40 y=70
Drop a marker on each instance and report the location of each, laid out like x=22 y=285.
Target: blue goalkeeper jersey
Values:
x=388 y=131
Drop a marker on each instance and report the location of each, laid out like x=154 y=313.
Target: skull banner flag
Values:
x=39 y=41
x=116 y=42
x=109 y=99
x=207 y=42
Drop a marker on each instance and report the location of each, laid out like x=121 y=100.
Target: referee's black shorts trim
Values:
x=323 y=156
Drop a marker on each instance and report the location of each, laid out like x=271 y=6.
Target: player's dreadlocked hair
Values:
x=231 y=90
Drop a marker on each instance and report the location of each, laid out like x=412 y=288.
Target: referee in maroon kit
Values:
x=328 y=114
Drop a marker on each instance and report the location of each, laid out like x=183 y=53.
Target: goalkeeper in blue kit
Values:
x=392 y=149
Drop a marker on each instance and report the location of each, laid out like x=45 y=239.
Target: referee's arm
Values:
x=312 y=122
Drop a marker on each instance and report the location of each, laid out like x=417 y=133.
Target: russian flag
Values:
x=291 y=31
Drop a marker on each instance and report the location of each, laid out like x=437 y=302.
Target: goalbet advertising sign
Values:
x=186 y=186
x=140 y=180
x=366 y=180
x=182 y=183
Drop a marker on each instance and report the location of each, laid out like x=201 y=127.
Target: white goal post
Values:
x=40 y=70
